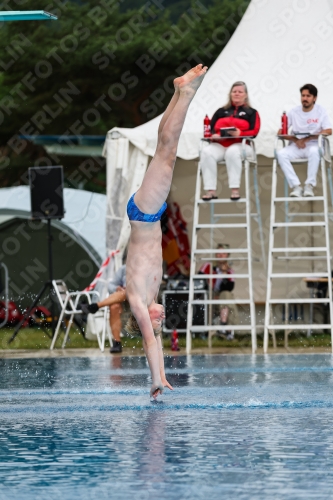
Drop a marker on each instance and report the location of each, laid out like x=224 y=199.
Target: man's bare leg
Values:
x=115 y=321
x=114 y=298
x=157 y=181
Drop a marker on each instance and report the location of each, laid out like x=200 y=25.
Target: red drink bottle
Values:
x=284 y=124
x=174 y=341
x=207 y=132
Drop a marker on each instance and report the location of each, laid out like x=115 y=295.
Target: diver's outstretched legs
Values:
x=157 y=181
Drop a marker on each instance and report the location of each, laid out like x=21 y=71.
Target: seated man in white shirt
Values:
x=307 y=122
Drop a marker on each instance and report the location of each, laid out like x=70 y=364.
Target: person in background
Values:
x=117 y=291
x=236 y=113
x=223 y=287
x=307 y=122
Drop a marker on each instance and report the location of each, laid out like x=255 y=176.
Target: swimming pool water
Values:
x=245 y=427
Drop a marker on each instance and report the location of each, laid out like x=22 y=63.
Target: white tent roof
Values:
x=84 y=219
x=278 y=46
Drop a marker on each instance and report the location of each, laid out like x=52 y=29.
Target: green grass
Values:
x=36 y=338
x=295 y=340
x=299 y=340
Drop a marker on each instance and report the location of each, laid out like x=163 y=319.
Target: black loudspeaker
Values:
x=176 y=303
x=47 y=192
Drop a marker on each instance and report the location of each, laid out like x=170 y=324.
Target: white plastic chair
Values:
x=99 y=324
x=69 y=307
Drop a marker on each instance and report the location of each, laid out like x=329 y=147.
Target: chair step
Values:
x=217 y=301
x=221 y=226
x=299 y=224
x=299 y=275
x=300 y=249
x=306 y=214
x=302 y=257
x=315 y=326
x=299 y=301
x=221 y=200
x=218 y=276
x=302 y=198
x=220 y=216
x=218 y=250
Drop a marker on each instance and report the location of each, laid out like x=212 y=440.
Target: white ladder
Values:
x=270 y=327
x=208 y=253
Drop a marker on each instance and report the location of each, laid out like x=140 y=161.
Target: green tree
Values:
x=101 y=53
x=98 y=67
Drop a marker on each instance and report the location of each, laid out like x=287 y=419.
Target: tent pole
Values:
x=50 y=240
x=47 y=284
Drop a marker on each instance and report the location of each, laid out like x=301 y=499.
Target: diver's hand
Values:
x=166 y=384
x=156 y=389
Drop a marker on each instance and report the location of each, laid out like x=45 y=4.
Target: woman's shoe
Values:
x=235 y=196
x=208 y=197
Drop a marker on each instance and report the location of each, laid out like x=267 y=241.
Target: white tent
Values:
x=83 y=221
x=278 y=46
x=78 y=242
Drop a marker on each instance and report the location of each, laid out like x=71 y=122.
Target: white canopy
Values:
x=278 y=46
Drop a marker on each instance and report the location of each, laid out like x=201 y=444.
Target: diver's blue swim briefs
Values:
x=134 y=213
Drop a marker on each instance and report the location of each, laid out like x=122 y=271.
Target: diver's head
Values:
x=156 y=314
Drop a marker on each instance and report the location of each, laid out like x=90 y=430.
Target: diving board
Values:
x=28 y=15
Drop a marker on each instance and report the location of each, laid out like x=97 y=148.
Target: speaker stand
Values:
x=47 y=286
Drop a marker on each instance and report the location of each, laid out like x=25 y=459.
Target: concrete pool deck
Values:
x=93 y=353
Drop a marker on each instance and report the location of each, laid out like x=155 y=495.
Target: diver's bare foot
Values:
x=191 y=81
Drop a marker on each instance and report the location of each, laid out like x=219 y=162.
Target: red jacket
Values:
x=243 y=117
